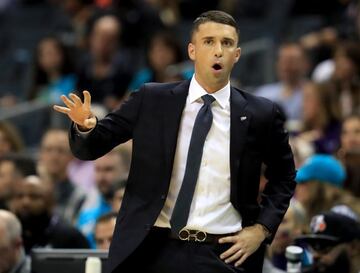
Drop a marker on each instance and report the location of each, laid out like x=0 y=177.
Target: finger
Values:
x=61 y=109
x=67 y=102
x=242 y=259
x=231 y=251
x=234 y=257
x=87 y=97
x=76 y=99
x=229 y=239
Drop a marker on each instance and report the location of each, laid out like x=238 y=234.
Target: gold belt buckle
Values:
x=187 y=235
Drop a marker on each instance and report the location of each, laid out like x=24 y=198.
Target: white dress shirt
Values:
x=211 y=210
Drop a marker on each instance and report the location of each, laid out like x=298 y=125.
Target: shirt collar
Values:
x=222 y=96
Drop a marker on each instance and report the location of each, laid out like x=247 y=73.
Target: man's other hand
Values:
x=78 y=112
x=245 y=243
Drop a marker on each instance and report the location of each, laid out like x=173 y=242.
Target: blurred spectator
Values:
x=343 y=71
x=80 y=13
x=8 y=100
x=110 y=168
x=335 y=243
x=320 y=182
x=82 y=174
x=320 y=46
x=291 y=67
x=103 y=3
x=168 y=11
x=12 y=168
x=106 y=71
x=293 y=225
x=322 y=127
x=104 y=230
x=317 y=171
x=349 y=152
x=13 y=259
x=140 y=20
x=55 y=156
x=164 y=50
x=347 y=77
x=33 y=203
x=10 y=139
x=53 y=72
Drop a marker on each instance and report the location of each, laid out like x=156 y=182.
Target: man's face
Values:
x=5 y=145
x=291 y=64
x=31 y=198
x=108 y=169
x=344 y=67
x=8 y=251
x=304 y=193
x=335 y=259
x=104 y=233
x=161 y=55
x=55 y=153
x=214 y=51
x=350 y=136
x=8 y=177
x=104 y=38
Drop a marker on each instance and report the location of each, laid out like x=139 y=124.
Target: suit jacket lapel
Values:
x=239 y=123
x=173 y=107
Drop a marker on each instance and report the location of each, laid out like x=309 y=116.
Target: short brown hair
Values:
x=216 y=16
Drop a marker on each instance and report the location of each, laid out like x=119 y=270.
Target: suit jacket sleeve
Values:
x=280 y=173
x=116 y=128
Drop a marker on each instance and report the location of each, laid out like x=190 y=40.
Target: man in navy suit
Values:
x=200 y=140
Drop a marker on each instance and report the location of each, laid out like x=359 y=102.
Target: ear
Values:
x=237 y=54
x=191 y=51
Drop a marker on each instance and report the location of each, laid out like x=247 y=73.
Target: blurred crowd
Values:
x=48 y=198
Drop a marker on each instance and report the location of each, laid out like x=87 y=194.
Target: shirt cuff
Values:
x=82 y=133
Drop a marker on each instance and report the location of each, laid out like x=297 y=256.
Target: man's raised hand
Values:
x=77 y=111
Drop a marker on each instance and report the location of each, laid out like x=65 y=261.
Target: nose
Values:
x=25 y=201
x=218 y=50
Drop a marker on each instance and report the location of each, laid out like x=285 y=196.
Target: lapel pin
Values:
x=243 y=118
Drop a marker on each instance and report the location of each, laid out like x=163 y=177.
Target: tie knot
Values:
x=208 y=99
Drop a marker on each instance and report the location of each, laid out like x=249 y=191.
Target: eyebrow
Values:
x=212 y=37
x=229 y=39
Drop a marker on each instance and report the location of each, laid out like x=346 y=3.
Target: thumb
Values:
x=90 y=122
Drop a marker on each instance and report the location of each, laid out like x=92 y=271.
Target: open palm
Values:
x=78 y=111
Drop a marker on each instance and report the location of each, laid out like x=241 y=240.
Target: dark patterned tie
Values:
x=201 y=128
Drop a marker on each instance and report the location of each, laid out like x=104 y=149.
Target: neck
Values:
x=293 y=84
x=211 y=87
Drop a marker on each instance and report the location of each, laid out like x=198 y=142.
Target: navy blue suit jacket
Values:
x=151 y=118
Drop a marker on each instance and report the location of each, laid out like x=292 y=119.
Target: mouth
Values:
x=217 y=67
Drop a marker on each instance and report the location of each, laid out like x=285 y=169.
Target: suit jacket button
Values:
x=163 y=196
x=147 y=227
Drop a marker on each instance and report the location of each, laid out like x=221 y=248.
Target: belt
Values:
x=190 y=235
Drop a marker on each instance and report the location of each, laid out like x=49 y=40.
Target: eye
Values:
x=208 y=42
x=227 y=43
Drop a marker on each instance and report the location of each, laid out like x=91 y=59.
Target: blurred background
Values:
x=302 y=54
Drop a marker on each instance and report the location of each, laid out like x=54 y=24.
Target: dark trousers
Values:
x=160 y=254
